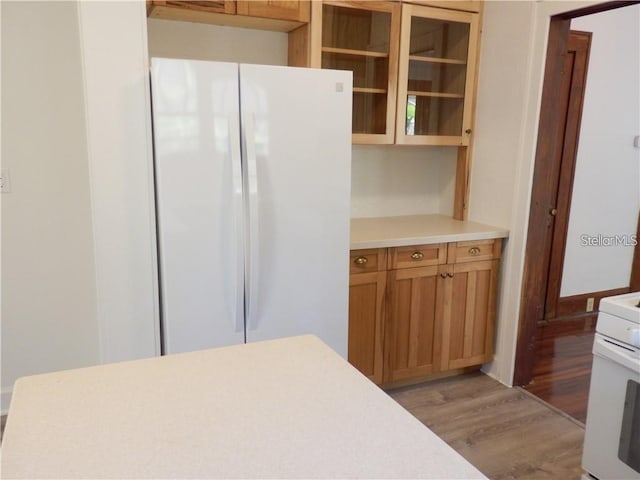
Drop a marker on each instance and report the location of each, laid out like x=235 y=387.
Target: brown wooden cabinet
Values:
x=362 y=37
x=414 y=68
x=431 y=311
x=367 y=286
x=296 y=10
x=413 y=327
x=436 y=76
x=283 y=16
x=464 y=5
x=468 y=330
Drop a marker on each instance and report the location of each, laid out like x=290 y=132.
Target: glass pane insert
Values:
x=358 y=39
x=427 y=115
x=439 y=39
x=436 y=79
x=368 y=72
x=369 y=112
x=355 y=29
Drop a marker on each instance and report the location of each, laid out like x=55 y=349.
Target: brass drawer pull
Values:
x=417 y=255
x=361 y=260
x=474 y=251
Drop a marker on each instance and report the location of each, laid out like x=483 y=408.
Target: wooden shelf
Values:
x=360 y=53
x=368 y=90
x=417 y=58
x=434 y=94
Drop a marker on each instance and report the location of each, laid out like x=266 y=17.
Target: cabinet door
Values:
x=414 y=326
x=298 y=11
x=466 y=5
x=221 y=6
x=362 y=37
x=468 y=329
x=436 y=76
x=366 y=309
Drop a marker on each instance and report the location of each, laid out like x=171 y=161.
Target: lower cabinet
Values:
x=429 y=310
x=413 y=327
x=367 y=286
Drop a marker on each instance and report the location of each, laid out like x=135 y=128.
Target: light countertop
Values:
x=289 y=408
x=399 y=231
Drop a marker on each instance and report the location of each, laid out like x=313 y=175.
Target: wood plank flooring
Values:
x=562 y=372
x=506 y=433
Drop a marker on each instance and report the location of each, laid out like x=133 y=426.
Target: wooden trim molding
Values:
x=562 y=327
x=597 y=8
x=576 y=304
x=537 y=247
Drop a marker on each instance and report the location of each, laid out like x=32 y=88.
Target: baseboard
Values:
x=574 y=325
x=5 y=400
x=576 y=304
x=428 y=378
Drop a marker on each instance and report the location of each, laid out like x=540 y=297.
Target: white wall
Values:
x=606 y=189
x=113 y=40
x=394 y=180
x=198 y=41
x=49 y=319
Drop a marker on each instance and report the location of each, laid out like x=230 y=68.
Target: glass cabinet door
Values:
x=436 y=75
x=363 y=38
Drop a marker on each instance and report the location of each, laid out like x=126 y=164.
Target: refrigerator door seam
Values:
x=236 y=181
x=253 y=253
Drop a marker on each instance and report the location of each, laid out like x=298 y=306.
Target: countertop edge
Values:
x=431 y=239
x=386 y=232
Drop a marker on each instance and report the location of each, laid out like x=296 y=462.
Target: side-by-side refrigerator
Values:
x=252 y=170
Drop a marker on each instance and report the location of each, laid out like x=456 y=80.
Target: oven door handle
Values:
x=627 y=358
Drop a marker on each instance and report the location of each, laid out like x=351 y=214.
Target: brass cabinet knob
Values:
x=474 y=251
x=553 y=212
x=361 y=260
x=443 y=275
x=450 y=275
x=417 y=255
x=468 y=131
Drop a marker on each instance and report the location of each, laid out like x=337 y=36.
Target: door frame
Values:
x=536 y=266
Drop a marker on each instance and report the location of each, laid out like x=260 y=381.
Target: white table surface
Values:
x=289 y=408
x=379 y=232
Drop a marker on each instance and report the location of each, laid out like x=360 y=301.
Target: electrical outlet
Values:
x=5 y=181
x=590 y=302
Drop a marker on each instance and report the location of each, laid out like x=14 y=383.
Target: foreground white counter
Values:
x=289 y=408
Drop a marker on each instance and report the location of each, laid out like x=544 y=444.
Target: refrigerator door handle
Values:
x=253 y=271
x=238 y=246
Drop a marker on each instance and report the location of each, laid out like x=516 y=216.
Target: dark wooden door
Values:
x=564 y=161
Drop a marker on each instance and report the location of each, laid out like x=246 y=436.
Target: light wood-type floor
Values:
x=507 y=433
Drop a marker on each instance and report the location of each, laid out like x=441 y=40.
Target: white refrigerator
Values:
x=252 y=180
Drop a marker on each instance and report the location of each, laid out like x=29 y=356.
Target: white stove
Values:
x=612 y=434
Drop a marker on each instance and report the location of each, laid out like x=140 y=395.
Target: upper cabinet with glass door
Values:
x=436 y=76
x=362 y=37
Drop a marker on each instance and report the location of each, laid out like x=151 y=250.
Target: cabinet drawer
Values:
x=370 y=260
x=417 y=255
x=474 y=250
